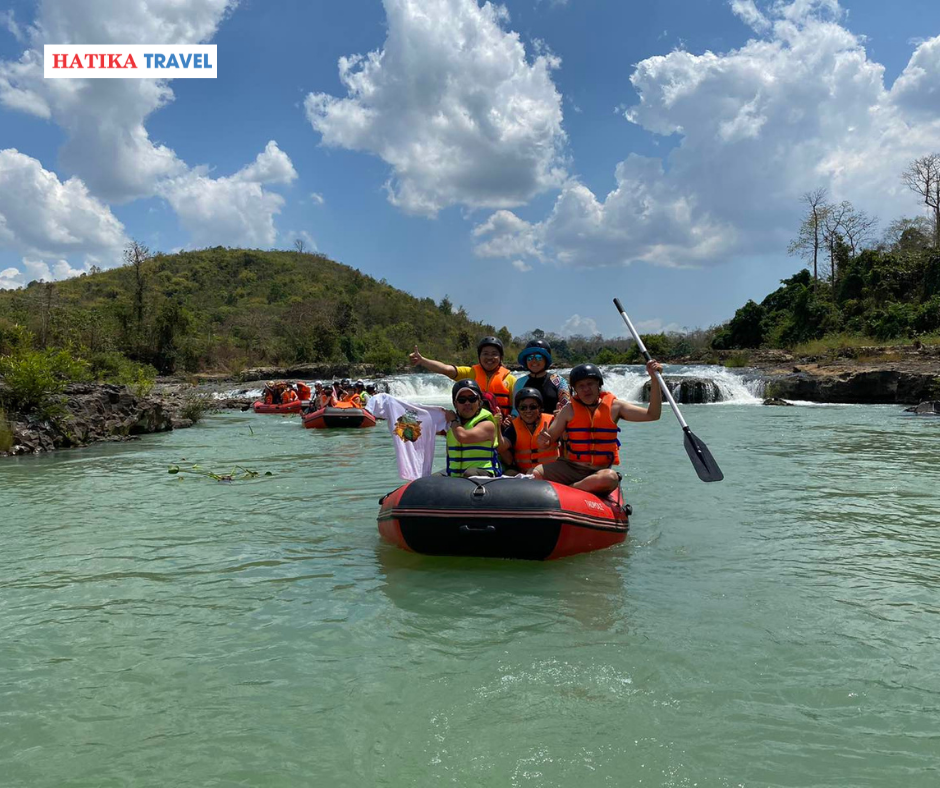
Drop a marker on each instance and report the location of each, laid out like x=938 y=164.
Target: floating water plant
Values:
x=239 y=472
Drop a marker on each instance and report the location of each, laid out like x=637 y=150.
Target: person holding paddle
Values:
x=588 y=424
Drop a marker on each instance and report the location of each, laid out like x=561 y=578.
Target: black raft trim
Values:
x=584 y=521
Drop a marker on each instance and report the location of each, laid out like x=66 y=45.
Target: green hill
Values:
x=225 y=309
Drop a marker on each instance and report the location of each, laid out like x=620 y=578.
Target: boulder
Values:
x=866 y=387
x=777 y=401
x=930 y=408
x=688 y=391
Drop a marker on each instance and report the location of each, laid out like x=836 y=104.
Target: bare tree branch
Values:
x=923 y=177
x=810 y=238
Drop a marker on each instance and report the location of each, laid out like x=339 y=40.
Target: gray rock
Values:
x=689 y=391
x=866 y=387
x=930 y=408
x=777 y=401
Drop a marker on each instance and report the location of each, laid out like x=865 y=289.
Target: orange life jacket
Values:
x=289 y=395
x=353 y=398
x=303 y=391
x=526 y=451
x=269 y=398
x=496 y=385
x=591 y=437
x=324 y=400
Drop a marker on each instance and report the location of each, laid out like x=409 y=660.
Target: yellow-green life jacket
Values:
x=485 y=456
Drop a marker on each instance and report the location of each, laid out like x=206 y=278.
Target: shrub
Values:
x=34 y=377
x=739 y=359
x=195 y=407
x=6 y=432
x=114 y=367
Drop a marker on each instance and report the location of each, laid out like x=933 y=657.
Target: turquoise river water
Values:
x=781 y=628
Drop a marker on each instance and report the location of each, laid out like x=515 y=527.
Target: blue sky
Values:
x=531 y=160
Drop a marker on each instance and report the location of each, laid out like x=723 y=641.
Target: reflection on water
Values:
x=780 y=628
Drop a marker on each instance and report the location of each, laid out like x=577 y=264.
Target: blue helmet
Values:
x=536 y=347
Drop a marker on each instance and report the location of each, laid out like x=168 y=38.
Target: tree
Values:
x=135 y=255
x=906 y=234
x=923 y=177
x=446 y=306
x=810 y=238
x=858 y=228
x=299 y=245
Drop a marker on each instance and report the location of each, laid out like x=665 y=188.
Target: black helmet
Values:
x=494 y=341
x=528 y=393
x=346 y=382
x=460 y=385
x=536 y=346
x=583 y=372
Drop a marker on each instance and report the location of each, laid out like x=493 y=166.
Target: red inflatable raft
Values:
x=342 y=416
x=500 y=518
x=288 y=407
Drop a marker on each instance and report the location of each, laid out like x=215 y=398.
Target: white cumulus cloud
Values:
x=233 y=210
x=42 y=216
x=107 y=144
x=801 y=108
x=453 y=105
x=576 y=324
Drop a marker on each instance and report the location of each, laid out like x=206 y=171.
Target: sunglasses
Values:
x=521 y=408
x=467 y=400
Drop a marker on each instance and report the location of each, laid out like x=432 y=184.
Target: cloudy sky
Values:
x=531 y=159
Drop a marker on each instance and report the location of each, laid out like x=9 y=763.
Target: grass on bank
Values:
x=853 y=344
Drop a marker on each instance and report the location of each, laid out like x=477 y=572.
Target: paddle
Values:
x=702 y=460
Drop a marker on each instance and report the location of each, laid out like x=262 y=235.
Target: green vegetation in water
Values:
x=239 y=473
x=196 y=406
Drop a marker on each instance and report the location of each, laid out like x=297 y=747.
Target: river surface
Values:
x=781 y=628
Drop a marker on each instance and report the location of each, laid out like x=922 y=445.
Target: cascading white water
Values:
x=423 y=388
x=625 y=381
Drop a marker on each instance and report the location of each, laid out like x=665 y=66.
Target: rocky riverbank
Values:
x=95 y=412
x=869 y=376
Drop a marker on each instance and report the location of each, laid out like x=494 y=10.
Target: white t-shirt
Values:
x=414 y=429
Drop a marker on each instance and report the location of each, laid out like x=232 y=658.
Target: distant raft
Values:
x=501 y=518
x=342 y=416
x=288 y=407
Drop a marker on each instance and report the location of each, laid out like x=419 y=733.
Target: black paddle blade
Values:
x=705 y=465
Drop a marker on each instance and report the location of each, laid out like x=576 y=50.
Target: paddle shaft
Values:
x=662 y=383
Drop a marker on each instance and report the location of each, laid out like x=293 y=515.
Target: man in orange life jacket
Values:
x=589 y=426
x=518 y=445
x=490 y=374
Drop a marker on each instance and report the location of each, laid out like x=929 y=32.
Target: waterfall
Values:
x=727 y=387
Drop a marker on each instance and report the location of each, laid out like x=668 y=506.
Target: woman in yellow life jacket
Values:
x=518 y=445
x=490 y=374
x=472 y=435
x=589 y=426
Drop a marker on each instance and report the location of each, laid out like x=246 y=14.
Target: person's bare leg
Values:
x=599 y=483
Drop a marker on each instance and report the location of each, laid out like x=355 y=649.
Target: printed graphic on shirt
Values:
x=408 y=427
